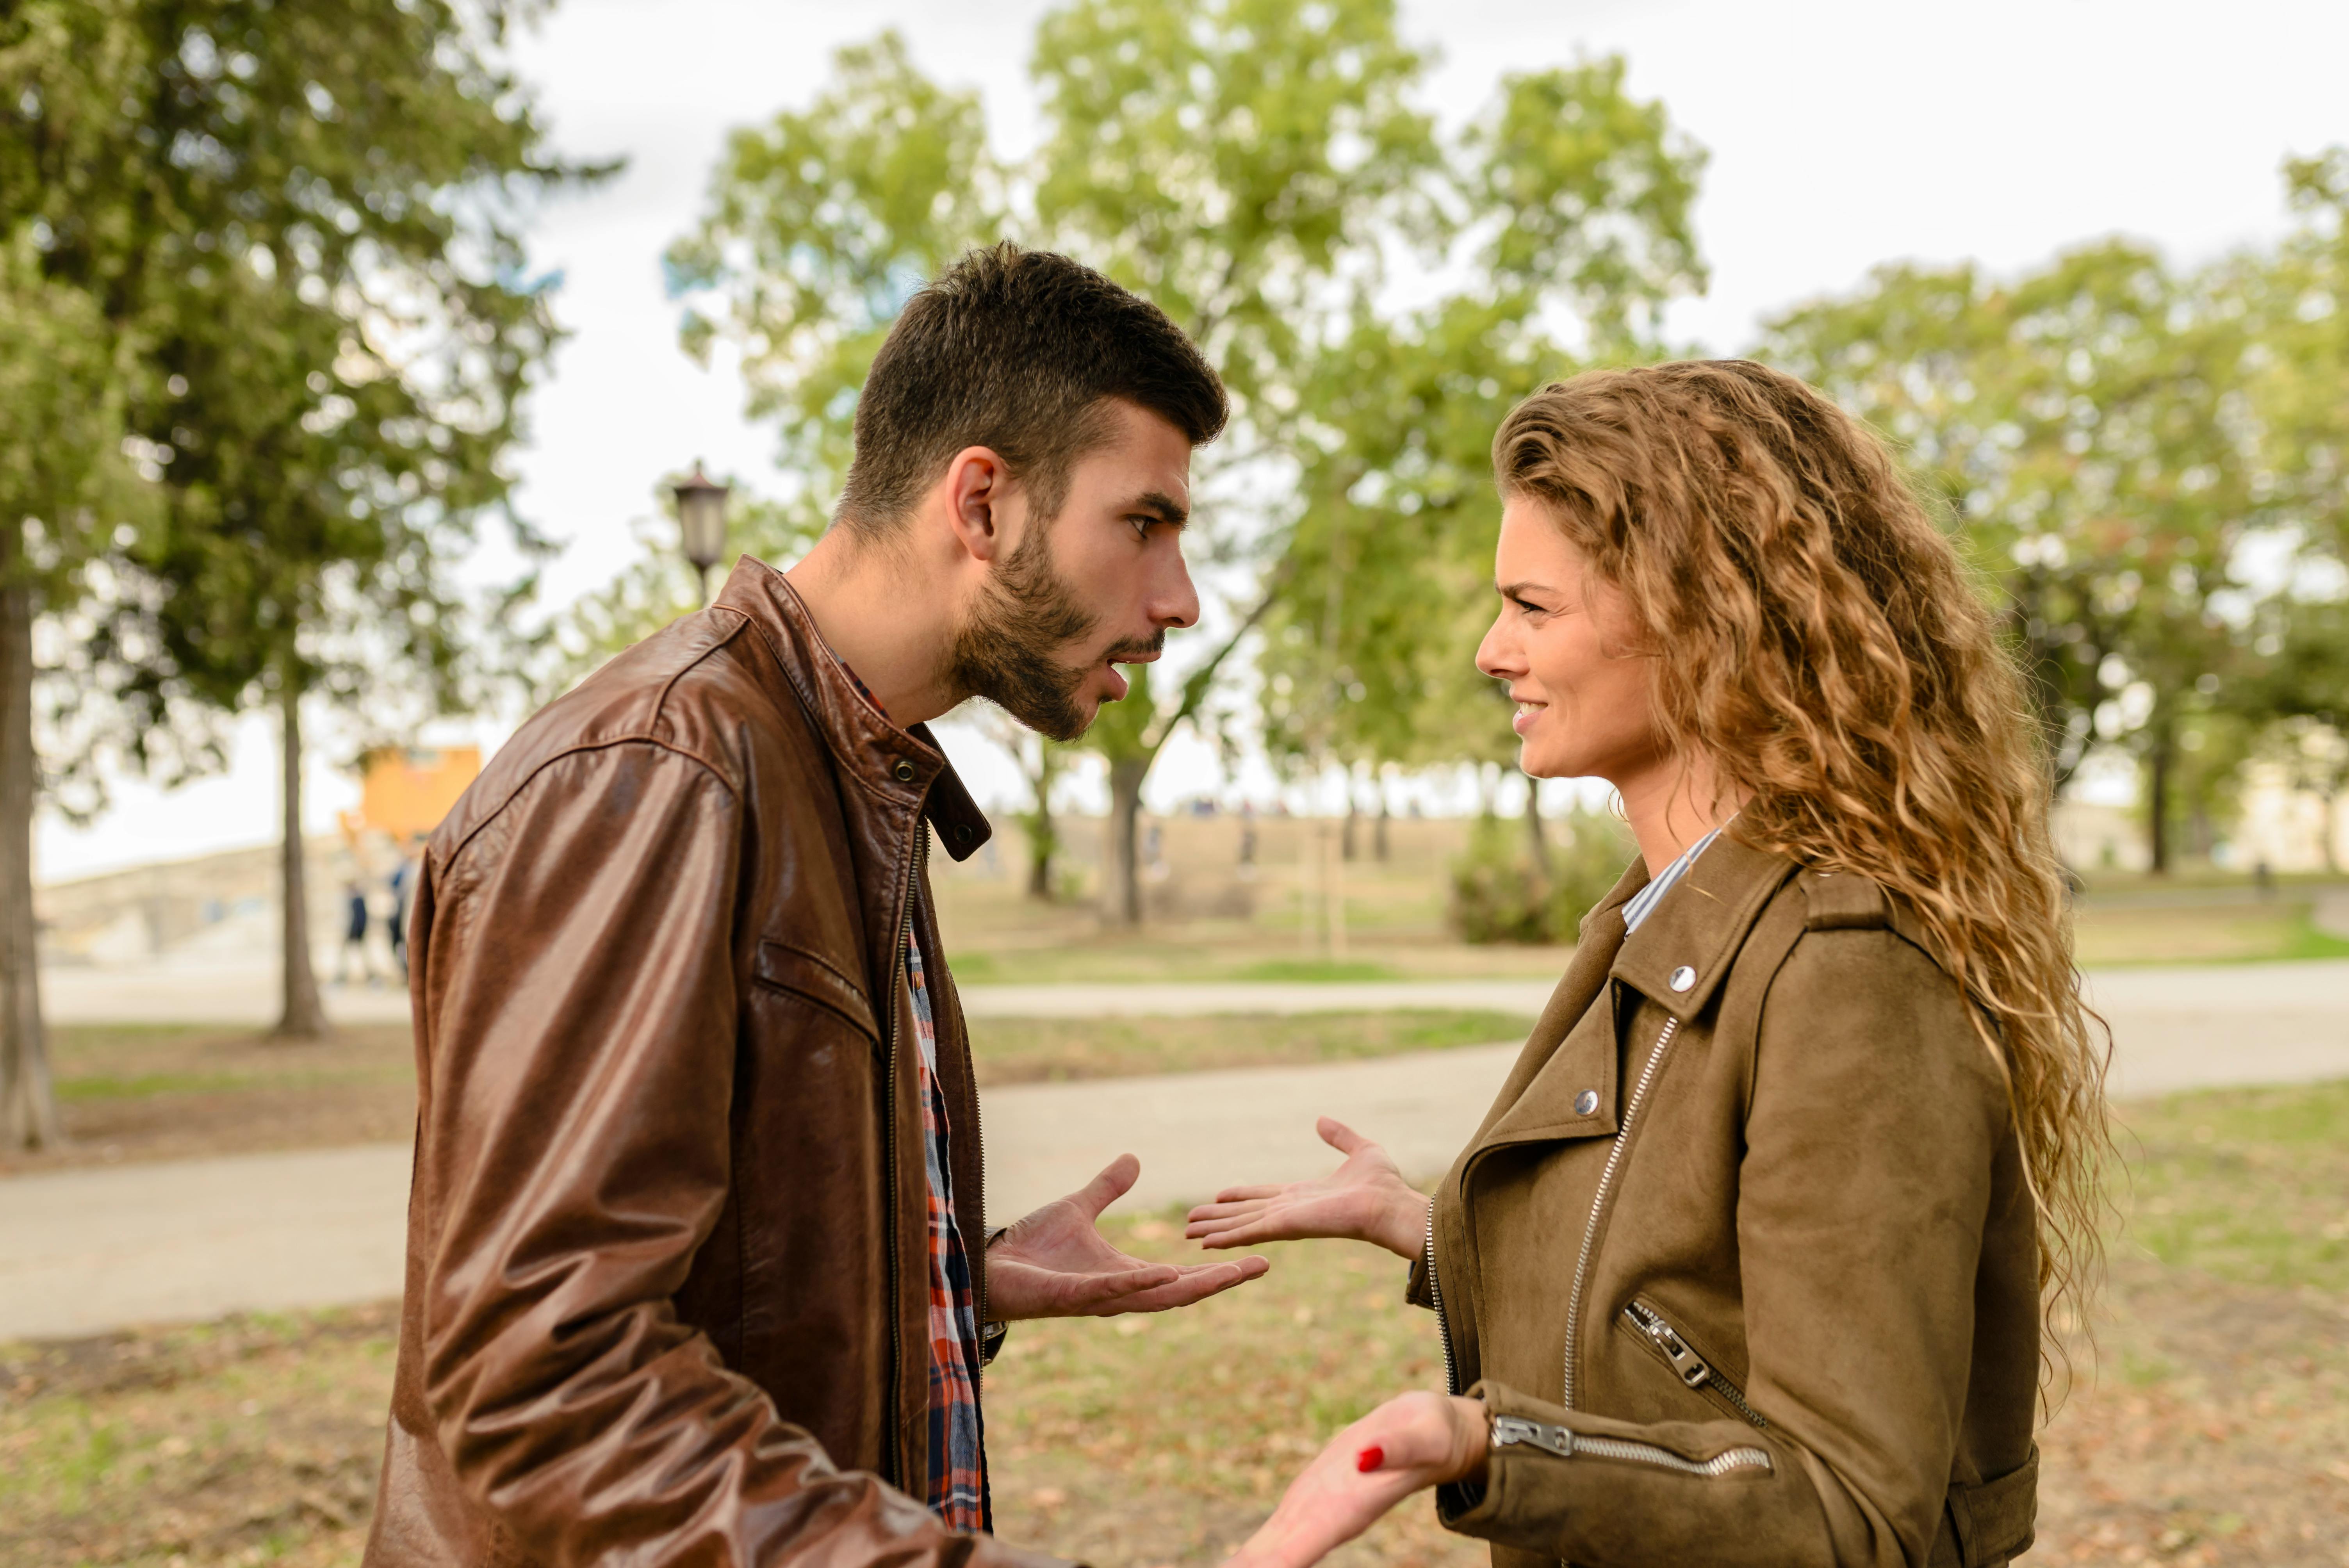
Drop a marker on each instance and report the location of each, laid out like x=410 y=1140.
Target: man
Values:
x=697 y=1267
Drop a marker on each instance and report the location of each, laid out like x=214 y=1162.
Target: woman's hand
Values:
x=1407 y=1443
x=1364 y=1199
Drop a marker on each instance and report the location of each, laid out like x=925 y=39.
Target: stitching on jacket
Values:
x=661 y=702
x=459 y=849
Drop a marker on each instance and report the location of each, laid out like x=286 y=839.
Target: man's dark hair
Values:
x=1015 y=350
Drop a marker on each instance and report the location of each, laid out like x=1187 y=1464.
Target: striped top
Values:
x=1644 y=901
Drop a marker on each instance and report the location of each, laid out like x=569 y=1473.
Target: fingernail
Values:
x=1371 y=1458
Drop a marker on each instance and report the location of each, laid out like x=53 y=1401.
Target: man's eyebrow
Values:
x=1161 y=506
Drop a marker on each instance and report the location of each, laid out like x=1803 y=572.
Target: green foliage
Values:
x=66 y=487
x=307 y=226
x=1566 y=201
x=1255 y=166
x=821 y=225
x=1502 y=893
x=2079 y=424
x=1230 y=159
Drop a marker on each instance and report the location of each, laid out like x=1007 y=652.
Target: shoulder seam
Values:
x=524 y=782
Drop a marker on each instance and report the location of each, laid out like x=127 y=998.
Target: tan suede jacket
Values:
x=1742 y=1259
x=667 y=1295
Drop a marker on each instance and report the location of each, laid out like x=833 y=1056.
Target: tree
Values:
x=1041 y=762
x=310 y=224
x=1255 y=166
x=2085 y=427
x=64 y=488
x=1566 y=223
x=2302 y=700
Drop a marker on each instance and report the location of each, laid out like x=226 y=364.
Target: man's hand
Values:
x=1364 y=1199
x=1055 y=1263
x=1409 y=1442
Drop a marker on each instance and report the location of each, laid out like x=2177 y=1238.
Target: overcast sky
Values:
x=1841 y=135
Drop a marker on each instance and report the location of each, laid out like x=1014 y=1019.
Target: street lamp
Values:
x=701 y=521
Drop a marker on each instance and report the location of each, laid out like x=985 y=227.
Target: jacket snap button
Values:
x=962 y=833
x=1683 y=977
x=905 y=770
x=1585 y=1102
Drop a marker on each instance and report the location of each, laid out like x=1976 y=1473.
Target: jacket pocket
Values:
x=1642 y=1320
x=815 y=979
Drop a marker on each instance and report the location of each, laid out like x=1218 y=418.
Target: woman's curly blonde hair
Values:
x=1821 y=643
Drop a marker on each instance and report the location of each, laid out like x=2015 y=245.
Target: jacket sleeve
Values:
x=579 y=991
x=1864 y=1192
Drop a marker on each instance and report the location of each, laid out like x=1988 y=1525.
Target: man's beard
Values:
x=1007 y=651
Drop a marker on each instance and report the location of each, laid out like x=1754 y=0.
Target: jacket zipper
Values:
x=1508 y=1431
x=889 y=1136
x=1694 y=1370
x=1435 y=1299
x=1598 y=1200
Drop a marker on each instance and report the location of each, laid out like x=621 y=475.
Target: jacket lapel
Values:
x=1572 y=1048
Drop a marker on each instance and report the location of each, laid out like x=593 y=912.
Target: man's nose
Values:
x=1176 y=602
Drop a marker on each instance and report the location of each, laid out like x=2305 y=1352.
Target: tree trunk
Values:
x=2331 y=833
x=1122 y=902
x=303 y=1017
x=1378 y=847
x=2158 y=767
x=1039 y=858
x=28 y=1104
x=1353 y=814
x=1043 y=832
x=1536 y=843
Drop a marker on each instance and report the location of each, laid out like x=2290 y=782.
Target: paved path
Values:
x=83 y=1250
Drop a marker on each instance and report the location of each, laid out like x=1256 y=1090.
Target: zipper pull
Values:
x=1510 y=1431
x=1694 y=1369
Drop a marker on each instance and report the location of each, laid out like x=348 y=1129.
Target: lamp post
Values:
x=701 y=521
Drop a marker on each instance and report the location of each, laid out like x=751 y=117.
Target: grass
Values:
x=2208 y=1427
x=2247 y=1185
x=2212 y=934
x=1028 y=1050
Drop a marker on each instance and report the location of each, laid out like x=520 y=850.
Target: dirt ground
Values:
x=2216 y=1432
x=2207 y=1426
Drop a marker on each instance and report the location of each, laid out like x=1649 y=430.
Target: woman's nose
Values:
x=1497 y=656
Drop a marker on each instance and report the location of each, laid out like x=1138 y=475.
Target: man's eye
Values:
x=1141 y=528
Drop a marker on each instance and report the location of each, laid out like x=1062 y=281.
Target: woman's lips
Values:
x=1527 y=713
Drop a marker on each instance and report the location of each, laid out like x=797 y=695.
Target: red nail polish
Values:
x=1371 y=1458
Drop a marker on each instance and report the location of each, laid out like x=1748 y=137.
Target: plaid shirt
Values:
x=957 y=1478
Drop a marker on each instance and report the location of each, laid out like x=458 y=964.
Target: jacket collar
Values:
x=904 y=765
x=1684 y=949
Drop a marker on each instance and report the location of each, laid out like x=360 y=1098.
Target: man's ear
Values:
x=978 y=488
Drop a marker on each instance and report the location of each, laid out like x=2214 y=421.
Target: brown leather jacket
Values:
x=666 y=1287
x=1742 y=1258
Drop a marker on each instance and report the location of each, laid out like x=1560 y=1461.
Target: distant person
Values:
x=403 y=879
x=356 y=922
x=1749 y=1261
x=698 y=1267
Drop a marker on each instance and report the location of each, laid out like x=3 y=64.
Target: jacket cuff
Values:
x=1414 y=1289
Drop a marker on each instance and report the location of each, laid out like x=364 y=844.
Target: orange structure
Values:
x=406 y=791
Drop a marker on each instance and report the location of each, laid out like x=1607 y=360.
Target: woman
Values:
x=1748 y=1261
